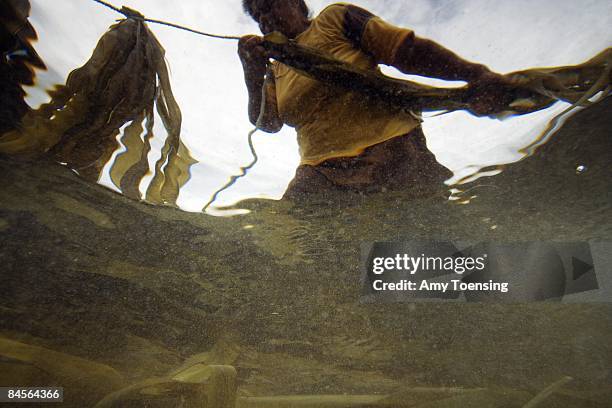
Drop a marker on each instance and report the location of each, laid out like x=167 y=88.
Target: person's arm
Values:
x=424 y=57
x=488 y=91
x=253 y=58
x=400 y=48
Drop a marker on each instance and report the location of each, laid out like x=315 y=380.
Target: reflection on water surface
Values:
x=218 y=142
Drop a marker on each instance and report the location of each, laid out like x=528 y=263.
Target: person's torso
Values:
x=332 y=122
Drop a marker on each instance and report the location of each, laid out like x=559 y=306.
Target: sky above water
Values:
x=207 y=77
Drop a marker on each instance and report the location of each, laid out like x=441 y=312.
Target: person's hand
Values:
x=252 y=55
x=490 y=93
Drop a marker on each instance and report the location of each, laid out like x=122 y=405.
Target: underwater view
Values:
x=289 y=203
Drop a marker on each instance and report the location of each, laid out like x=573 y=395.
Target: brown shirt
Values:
x=332 y=122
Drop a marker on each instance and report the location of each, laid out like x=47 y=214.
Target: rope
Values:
x=110 y=6
x=191 y=30
x=243 y=172
x=258 y=125
x=129 y=14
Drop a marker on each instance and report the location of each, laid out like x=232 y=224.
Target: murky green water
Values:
x=275 y=293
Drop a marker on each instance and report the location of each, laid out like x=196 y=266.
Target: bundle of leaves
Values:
x=116 y=91
x=528 y=91
x=19 y=56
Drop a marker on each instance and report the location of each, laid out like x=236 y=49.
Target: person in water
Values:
x=347 y=140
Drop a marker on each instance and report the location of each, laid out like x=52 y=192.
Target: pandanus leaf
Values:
x=117 y=90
